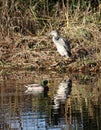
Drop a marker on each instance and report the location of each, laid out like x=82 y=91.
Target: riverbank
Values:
x=24 y=44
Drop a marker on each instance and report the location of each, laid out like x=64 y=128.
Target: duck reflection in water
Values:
x=60 y=100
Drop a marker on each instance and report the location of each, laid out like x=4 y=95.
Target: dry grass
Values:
x=24 y=25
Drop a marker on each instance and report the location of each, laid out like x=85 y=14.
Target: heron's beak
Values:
x=48 y=35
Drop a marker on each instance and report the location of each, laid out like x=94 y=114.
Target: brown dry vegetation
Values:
x=24 y=24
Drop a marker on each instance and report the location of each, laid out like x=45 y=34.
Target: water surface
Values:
x=80 y=110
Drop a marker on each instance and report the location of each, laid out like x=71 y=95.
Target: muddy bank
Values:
x=39 y=53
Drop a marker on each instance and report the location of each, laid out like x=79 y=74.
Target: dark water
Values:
x=79 y=109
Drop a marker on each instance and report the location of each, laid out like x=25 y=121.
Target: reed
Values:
x=79 y=21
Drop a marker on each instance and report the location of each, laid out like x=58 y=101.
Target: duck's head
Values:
x=44 y=83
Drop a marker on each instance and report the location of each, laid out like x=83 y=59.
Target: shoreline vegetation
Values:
x=24 y=25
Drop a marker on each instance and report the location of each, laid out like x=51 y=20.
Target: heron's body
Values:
x=62 y=45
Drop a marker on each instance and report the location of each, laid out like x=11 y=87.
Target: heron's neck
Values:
x=55 y=38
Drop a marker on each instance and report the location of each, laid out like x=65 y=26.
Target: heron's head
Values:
x=54 y=33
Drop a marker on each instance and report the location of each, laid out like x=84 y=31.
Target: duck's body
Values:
x=37 y=88
x=34 y=88
x=62 y=44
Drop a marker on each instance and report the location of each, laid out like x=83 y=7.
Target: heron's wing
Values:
x=66 y=45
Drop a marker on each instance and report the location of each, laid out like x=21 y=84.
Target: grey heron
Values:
x=62 y=44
